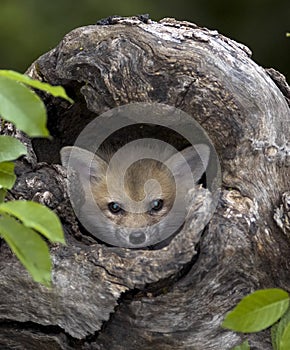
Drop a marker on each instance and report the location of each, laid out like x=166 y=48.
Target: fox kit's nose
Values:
x=137 y=237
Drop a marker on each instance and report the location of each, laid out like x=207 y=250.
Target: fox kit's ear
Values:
x=84 y=162
x=196 y=157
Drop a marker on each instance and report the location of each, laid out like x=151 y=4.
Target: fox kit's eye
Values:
x=114 y=207
x=156 y=204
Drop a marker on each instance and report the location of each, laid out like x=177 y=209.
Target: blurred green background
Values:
x=31 y=27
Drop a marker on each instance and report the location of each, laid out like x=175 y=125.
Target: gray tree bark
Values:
x=174 y=297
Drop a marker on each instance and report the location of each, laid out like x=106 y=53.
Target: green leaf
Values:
x=2 y=194
x=36 y=216
x=244 y=346
x=21 y=106
x=274 y=336
x=284 y=342
x=280 y=333
x=10 y=148
x=57 y=91
x=29 y=248
x=7 y=176
x=257 y=311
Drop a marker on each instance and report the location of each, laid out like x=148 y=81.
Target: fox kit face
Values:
x=149 y=193
x=130 y=207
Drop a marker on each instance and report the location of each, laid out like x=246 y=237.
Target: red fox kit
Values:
x=136 y=197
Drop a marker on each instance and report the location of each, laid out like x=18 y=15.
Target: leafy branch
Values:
x=260 y=310
x=23 y=222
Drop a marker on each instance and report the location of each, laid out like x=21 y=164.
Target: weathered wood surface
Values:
x=175 y=297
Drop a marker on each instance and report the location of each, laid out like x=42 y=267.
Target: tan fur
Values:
x=135 y=179
x=105 y=179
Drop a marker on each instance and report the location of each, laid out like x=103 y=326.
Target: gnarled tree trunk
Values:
x=174 y=297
